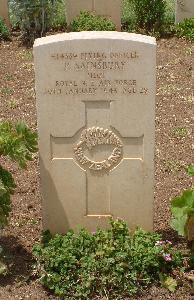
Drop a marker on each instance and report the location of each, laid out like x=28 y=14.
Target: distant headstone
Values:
x=184 y=10
x=110 y=9
x=95 y=103
x=4 y=12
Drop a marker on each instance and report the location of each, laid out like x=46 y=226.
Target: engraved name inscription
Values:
x=92 y=137
x=89 y=73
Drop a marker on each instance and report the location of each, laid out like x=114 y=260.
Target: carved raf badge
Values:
x=92 y=137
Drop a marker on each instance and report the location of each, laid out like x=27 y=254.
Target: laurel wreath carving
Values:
x=92 y=137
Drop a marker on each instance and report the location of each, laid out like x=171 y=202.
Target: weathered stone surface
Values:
x=95 y=103
x=4 y=12
x=184 y=10
x=110 y=9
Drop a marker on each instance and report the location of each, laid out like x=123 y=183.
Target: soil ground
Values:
x=174 y=112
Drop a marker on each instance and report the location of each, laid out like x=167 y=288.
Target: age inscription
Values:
x=95 y=69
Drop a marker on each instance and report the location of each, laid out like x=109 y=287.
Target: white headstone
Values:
x=95 y=103
x=184 y=10
x=110 y=9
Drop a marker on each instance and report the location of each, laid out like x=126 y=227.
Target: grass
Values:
x=173 y=166
x=27 y=55
x=13 y=103
x=189 y=51
x=6 y=91
x=9 y=77
x=190 y=99
x=180 y=131
x=169 y=89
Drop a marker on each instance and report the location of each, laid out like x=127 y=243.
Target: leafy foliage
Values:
x=7 y=186
x=87 y=21
x=18 y=143
x=182 y=207
x=190 y=170
x=186 y=29
x=168 y=282
x=149 y=14
x=109 y=263
x=131 y=11
x=36 y=17
x=58 y=16
x=4 y=31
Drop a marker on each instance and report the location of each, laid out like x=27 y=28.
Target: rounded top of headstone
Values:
x=94 y=35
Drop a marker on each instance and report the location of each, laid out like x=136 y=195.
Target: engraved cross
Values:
x=94 y=157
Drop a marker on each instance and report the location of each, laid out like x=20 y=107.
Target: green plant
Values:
x=18 y=143
x=108 y=263
x=34 y=17
x=6 y=91
x=173 y=166
x=128 y=16
x=12 y=103
x=34 y=11
x=145 y=16
x=4 y=31
x=7 y=186
x=190 y=170
x=87 y=21
x=180 y=131
x=186 y=29
x=27 y=55
x=169 y=12
x=149 y=14
x=168 y=282
x=58 y=16
x=182 y=207
x=189 y=51
x=9 y=77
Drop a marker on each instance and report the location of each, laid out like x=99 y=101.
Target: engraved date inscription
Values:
x=96 y=73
